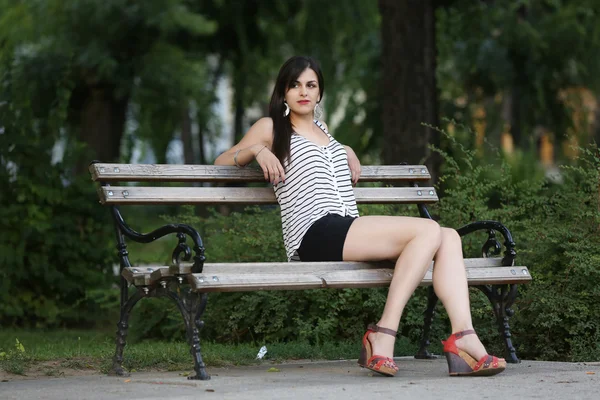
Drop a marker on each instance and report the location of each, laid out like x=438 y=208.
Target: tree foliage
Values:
x=556 y=229
x=53 y=239
x=115 y=54
x=525 y=52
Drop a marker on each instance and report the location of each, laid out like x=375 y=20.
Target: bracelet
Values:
x=235 y=159
x=264 y=147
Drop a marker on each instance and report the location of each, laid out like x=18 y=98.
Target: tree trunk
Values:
x=186 y=135
x=410 y=93
x=515 y=117
x=238 y=101
x=204 y=117
x=101 y=125
x=595 y=136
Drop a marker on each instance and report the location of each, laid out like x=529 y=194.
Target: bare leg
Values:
x=450 y=285
x=412 y=242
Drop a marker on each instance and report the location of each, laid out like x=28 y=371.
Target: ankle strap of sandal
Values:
x=377 y=328
x=460 y=334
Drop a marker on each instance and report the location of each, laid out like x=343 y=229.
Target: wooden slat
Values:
x=181 y=269
x=247 y=282
x=321 y=267
x=290 y=267
x=148 y=275
x=219 y=173
x=382 y=277
x=273 y=275
x=360 y=278
x=160 y=271
x=231 y=195
x=144 y=275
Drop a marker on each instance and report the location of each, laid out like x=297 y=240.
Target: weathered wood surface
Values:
x=359 y=278
x=114 y=195
x=145 y=275
x=230 y=277
x=219 y=173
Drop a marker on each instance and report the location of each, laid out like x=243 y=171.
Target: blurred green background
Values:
x=501 y=99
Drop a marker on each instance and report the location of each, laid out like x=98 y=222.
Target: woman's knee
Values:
x=450 y=235
x=433 y=232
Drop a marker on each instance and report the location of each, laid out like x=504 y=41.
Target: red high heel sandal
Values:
x=380 y=364
x=461 y=363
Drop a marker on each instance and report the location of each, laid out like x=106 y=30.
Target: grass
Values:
x=51 y=352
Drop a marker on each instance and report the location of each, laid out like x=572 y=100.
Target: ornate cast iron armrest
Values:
x=492 y=246
x=182 y=251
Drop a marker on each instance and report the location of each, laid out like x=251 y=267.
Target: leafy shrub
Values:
x=556 y=228
x=54 y=239
x=54 y=244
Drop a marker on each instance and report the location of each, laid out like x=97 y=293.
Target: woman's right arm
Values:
x=256 y=143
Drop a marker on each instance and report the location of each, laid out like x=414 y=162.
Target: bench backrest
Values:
x=152 y=175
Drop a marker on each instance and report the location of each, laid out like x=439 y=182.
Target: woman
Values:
x=312 y=175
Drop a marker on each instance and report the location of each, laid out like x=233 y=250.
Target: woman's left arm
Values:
x=353 y=164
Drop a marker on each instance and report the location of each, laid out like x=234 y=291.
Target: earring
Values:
x=287 y=109
x=318 y=111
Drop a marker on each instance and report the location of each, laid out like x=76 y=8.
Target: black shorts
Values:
x=324 y=240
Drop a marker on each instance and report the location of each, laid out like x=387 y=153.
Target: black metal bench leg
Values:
x=192 y=306
x=200 y=300
x=432 y=300
x=502 y=298
x=503 y=312
x=122 y=326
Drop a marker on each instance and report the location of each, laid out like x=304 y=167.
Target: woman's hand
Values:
x=353 y=164
x=270 y=165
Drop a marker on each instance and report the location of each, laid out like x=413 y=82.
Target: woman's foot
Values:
x=378 y=349
x=467 y=356
x=382 y=344
x=471 y=345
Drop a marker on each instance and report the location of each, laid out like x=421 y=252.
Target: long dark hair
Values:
x=282 y=126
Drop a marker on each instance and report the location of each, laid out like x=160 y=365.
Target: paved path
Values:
x=417 y=379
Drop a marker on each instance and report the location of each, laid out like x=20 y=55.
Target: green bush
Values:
x=556 y=227
x=54 y=246
x=54 y=239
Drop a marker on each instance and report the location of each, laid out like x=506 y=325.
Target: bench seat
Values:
x=238 y=277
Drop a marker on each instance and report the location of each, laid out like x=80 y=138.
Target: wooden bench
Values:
x=123 y=184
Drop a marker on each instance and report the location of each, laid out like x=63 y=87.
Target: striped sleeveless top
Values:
x=317 y=182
